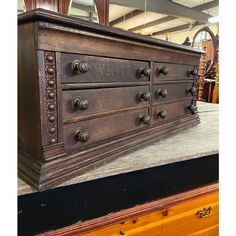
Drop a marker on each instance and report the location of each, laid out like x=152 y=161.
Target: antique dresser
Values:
x=88 y=93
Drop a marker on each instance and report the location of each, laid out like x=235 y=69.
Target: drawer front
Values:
x=166 y=92
x=90 y=101
x=166 y=71
x=192 y=217
x=95 y=130
x=91 y=69
x=168 y=111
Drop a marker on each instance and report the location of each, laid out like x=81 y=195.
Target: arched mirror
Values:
x=205 y=39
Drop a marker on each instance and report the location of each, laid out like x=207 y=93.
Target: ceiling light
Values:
x=214 y=19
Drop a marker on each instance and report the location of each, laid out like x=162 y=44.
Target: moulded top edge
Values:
x=73 y=22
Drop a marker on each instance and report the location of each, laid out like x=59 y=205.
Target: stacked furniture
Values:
x=88 y=93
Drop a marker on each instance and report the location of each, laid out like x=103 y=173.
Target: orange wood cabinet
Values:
x=192 y=213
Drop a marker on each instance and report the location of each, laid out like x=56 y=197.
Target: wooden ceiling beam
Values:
x=126 y=17
x=201 y=7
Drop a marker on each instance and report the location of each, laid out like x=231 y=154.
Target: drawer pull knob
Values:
x=205 y=212
x=145 y=96
x=161 y=114
x=143 y=72
x=80 y=66
x=80 y=103
x=145 y=119
x=82 y=135
x=193 y=72
x=162 y=92
x=192 y=108
x=192 y=91
x=163 y=70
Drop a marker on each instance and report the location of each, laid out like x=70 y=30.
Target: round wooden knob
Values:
x=145 y=96
x=161 y=114
x=193 y=109
x=80 y=66
x=163 y=70
x=162 y=92
x=193 y=72
x=82 y=135
x=145 y=119
x=192 y=90
x=80 y=103
x=143 y=71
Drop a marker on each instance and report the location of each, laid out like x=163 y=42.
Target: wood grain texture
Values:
x=174 y=91
x=114 y=124
x=175 y=72
x=199 y=141
x=103 y=100
x=101 y=70
x=154 y=217
x=53 y=5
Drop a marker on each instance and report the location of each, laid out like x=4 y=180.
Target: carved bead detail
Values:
x=52 y=130
x=51 y=118
x=51 y=82
x=50 y=58
x=50 y=70
x=51 y=95
x=51 y=107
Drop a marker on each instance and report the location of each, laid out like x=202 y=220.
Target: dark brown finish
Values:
x=163 y=112
x=166 y=71
x=105 y=127
x=103 y=100
x=87 y=93
x=165 y=92
x=103 y=11
x=134 y=212
x=53 y=5
x=101 y=69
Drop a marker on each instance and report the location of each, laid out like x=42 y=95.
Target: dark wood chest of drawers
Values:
x=88 y=93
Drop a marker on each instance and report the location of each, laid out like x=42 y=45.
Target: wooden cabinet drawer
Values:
x=92 y=101
x=167 y=111
x=166 y=92
x=103 y=128
x=92 y=69
x=183 y=219
x=168 y=71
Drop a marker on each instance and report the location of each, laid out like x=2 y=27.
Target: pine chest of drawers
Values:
x=88 y=93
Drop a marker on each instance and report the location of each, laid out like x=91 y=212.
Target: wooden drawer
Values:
x=168 y=111
x=184 y=219
x=92 y=101
x=174 y=72
x=103 y=128
x=166 y=92
x=181 y=219
x=100 y=69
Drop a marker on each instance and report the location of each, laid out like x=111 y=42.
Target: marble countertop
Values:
x=198 y=141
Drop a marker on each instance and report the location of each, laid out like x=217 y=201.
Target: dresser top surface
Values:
x=198 y=141
x=75 y=23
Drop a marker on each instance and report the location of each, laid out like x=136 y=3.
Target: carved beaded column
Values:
x=215 y=95
x=50 y=96
x=201 y=76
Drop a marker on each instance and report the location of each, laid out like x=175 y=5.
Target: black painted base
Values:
x=60 y=207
